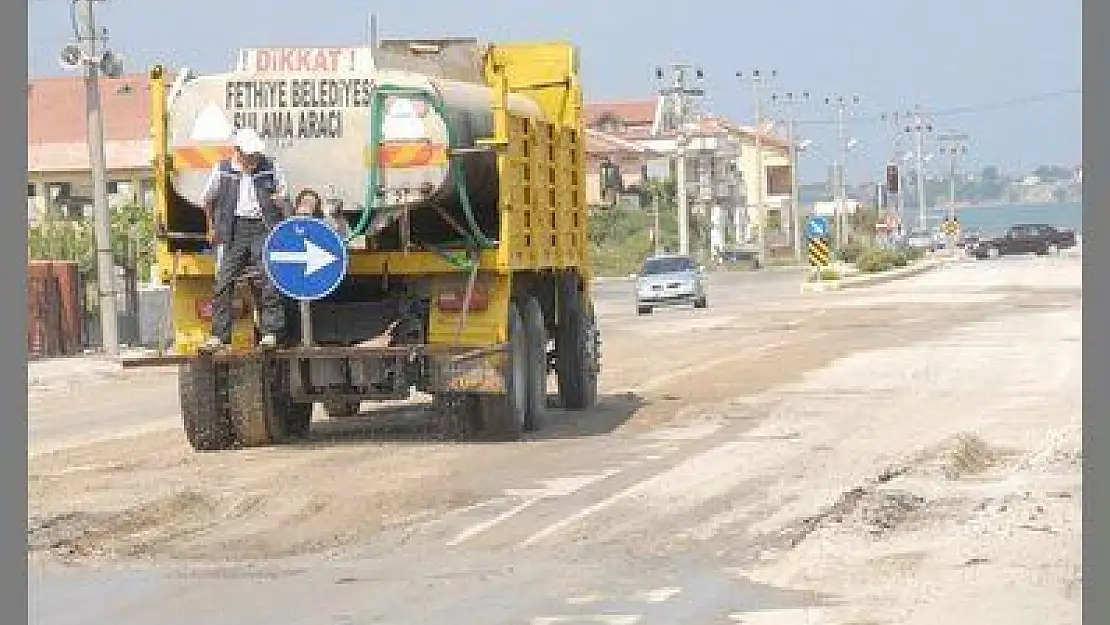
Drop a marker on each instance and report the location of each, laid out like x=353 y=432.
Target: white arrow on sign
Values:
x=314 y=257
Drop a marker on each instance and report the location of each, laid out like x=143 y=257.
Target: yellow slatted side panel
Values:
x=515 y=195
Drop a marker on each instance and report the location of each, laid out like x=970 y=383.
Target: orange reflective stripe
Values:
x=403 y=154
x=200 y=157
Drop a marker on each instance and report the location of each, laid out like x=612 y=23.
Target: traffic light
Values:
x=892 y=178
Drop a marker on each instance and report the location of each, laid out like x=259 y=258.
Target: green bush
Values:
x=874 y=260
x=850 y=252
x=913 y=253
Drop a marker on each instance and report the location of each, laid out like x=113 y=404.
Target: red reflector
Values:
x=452 y=301
x=204 y=309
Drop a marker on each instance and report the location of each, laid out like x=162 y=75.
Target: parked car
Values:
x=1040 y=239
x=921 y=239
x=738 y=255
x=969 y=241
x=670 y=280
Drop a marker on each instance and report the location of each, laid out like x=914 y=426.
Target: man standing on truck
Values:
x=242 y=201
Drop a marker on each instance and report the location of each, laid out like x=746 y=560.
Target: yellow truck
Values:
x=454 y=170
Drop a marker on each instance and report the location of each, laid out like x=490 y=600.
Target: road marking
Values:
x=558 y=487
x=605 y=619
x=659 y=595
x=584 y=599
x=728 y=449
x=791 y=616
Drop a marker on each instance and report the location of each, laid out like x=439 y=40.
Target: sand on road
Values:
x=905 y=453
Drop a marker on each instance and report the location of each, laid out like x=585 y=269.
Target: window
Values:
x=670 y=264
x=31 y=191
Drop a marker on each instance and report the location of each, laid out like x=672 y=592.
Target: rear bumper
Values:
x=327 y=372
x=667 y=300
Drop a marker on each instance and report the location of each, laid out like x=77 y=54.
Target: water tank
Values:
x=317 y=125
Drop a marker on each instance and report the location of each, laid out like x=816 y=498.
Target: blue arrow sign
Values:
x=305 y=258
x=817 y=226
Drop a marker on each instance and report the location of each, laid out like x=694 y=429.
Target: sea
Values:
x=992 y=220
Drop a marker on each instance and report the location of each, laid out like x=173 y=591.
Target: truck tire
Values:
x=253 y=406
x=342 y=408
x=503 y=416
x=577 y=348
x=535 y=332
x=204 y=418
x=459 y=414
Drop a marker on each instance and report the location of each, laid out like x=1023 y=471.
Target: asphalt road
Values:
x=637 y=513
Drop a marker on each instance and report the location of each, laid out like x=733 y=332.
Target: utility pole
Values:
x=954 y=145
x=85 y=54
x=677 y=93
x=919 y=125
x=790 y=101
x=841 y=104
x=758 y=80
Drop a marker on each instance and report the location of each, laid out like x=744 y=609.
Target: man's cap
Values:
x=248 y=141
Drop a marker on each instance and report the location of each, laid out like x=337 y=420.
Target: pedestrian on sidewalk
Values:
x=243 y=200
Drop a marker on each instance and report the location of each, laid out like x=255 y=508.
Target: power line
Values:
x=959 y=110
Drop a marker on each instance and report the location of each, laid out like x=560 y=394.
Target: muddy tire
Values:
x=254 y=408
x=503 y=416
x=701 y=302
x=535 y=332
x=341 y=408
x=459 y=414
x=204 y=418
x=577 y=348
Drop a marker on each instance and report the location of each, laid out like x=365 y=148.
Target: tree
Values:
x=132 y=234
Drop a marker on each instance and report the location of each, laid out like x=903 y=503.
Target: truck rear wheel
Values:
x=255 y=409
x=503 y=416
x=577 y=348
x=204 y=418
x=535 y=332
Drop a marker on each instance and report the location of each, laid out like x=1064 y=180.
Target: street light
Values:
x=841 y=104
x=679 y=92
x=84 y=55
x=790 y=101
x=758 y=80
x=919 y=125
x=954 y=145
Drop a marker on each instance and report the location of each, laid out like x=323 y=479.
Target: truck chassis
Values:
x=256 y=397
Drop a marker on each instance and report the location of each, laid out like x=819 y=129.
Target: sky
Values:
x=976 y=55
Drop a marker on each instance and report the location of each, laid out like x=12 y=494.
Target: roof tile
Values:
x=56 y=109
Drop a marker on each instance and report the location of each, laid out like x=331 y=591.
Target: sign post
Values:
x=306 y=259
x=817 y=231
x=951 y=229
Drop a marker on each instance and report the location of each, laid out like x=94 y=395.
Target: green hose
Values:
x=475 y=237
